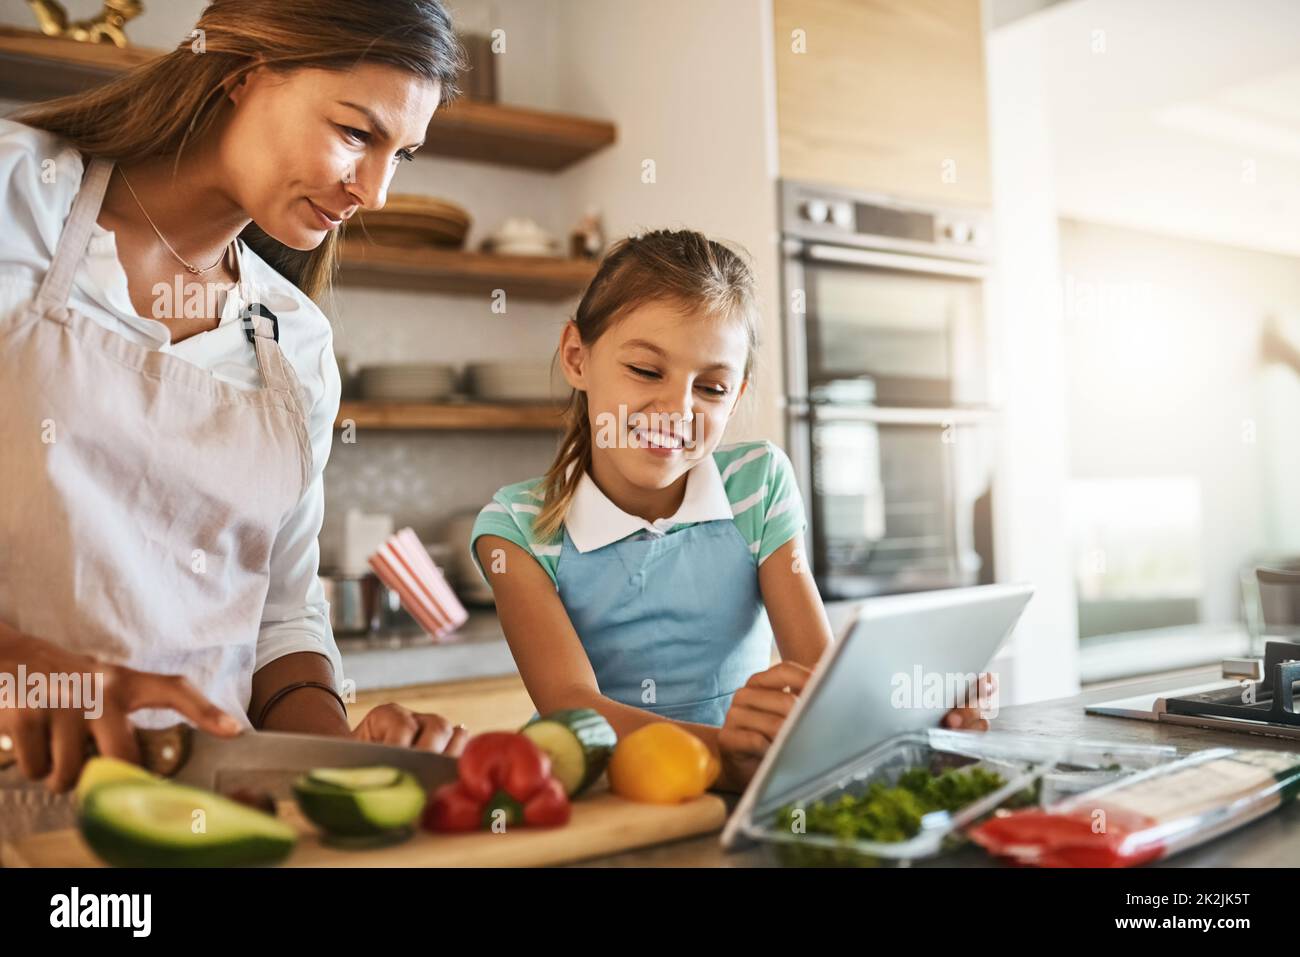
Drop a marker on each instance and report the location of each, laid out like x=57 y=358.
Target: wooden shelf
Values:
x=463 y=273
x=454 y=416
x=514 y=136
x=36 y=67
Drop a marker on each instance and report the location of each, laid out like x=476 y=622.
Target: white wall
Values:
x=1027 y=341
x=692 y=87
x=1164 y=379
x=1178 y=116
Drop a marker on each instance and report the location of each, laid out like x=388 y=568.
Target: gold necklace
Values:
x=181 y=259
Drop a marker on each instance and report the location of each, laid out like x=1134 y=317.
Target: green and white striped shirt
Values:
x=751 y=483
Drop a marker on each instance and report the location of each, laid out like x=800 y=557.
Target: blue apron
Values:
x=672 y=623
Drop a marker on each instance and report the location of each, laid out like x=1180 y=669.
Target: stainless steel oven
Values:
x=888 y=415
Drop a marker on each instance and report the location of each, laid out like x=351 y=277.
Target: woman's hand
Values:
x=756 y=714
x=49 y=743
x=972 y=718
x=394 y=724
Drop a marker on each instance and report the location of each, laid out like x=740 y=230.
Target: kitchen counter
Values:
x=1273 y=841
x=404 y=657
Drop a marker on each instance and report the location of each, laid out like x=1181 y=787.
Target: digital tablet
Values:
x=896 y=667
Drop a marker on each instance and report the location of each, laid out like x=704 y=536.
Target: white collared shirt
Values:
x=750 y=483
x=40 y=175
x=593 y=521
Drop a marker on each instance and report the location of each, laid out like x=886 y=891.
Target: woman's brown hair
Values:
x=155 y=109
x=681 y=267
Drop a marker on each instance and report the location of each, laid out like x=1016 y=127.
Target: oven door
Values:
x=899 y=499
x=884 y=328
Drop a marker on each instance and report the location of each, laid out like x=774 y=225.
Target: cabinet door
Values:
x=888 y=96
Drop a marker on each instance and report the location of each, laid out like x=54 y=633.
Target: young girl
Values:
x=647 y=573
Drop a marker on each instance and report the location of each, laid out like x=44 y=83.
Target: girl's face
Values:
x=307 y=149
x=661 y=385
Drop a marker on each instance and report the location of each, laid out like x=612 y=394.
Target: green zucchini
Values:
x=360 y=802
x=355 y=779
x=147 y=824
x=579 y=742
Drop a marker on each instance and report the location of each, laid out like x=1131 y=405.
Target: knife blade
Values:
x=271 y=760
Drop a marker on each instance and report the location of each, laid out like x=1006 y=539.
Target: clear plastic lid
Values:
x=832 y=819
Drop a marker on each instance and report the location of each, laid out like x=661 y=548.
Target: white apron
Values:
x=141 y=497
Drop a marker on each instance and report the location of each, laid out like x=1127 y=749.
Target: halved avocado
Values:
x=150 y=824
x=99 y=771
x=360 y=802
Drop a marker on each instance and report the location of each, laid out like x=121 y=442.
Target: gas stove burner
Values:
x=1271 y=700
x=1253 y=697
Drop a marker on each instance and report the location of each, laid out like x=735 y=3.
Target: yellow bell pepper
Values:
x=662 y=763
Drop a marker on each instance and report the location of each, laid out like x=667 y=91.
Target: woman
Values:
x=165 y=431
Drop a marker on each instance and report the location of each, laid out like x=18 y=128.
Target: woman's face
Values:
x=661 y=385
x=307 y=149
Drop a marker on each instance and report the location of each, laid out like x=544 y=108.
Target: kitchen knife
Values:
x=269 y=760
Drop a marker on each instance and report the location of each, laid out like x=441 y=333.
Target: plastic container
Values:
x=1149 y=816
x=1033 y=771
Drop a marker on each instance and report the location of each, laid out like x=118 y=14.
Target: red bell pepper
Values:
x=503 y=761
x=499 y=772
x=452 y=808
x=549 y=806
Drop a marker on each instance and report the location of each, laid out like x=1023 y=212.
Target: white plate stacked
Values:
x=425 y=382
x=516 y=381
x=523 y=247
x=521 y=236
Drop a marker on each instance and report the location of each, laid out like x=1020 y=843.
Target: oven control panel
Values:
x=820 y=213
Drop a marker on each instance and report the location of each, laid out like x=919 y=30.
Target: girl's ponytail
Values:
x=562 y=478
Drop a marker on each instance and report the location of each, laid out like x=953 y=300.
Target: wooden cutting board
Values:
x=601 y=824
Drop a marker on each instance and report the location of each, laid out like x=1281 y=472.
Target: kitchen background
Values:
x=1117 y=186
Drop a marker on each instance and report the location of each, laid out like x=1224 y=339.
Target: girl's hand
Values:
x=970 y=719
x=396 y=725
x=49 y=743
x=756 y=714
